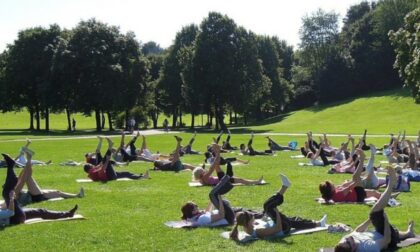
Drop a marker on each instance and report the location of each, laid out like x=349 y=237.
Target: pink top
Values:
x=340 y=197
x=211 y=180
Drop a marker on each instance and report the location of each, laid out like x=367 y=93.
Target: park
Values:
x=62 y=88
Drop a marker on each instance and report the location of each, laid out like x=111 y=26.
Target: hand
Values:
x=12 y=195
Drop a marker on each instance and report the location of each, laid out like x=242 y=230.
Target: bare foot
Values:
x=410 y=229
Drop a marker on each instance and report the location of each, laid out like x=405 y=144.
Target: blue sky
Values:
x=160 y=20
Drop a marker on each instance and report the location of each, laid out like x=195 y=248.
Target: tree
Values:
x=170 y=80
x=406 y=42
x=28 y=72
x=214 y=61
x=318 y=32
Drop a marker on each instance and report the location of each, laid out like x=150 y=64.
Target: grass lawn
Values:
x=129 y=216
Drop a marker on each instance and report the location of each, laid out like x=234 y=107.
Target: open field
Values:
x=129 y=216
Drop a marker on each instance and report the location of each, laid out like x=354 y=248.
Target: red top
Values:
x=339 y=196
x=98 y=174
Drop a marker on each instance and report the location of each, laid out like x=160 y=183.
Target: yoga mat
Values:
x=189 y=224
x=402 y=244
x=368 y=201
x=88 y=180
x=39 y=220
x=198 y=184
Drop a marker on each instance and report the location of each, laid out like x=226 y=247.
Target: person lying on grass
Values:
x=104 y=171
x=210 y=156
x=385 y=235
x=205 y=178
x=223 y=212
x=174 y=162
x=277 y=147
x=21 y=160
x=351 y=191
x=226 y=144
x=281 y=223
x=249 y=150
x=188 y=148
x=15 y=214
x=35 y=194
x=129 y=152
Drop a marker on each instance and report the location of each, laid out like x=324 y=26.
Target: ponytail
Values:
x=234 y=233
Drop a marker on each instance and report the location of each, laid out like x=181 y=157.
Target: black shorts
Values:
x=378 y=221
x=38 y=198
x=361 y=194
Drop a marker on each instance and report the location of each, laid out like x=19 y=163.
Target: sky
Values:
x=160 y=20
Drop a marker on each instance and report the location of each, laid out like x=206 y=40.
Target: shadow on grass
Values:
x=25 y=132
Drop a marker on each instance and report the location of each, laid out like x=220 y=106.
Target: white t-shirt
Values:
x=205 y=219
x=367 y=241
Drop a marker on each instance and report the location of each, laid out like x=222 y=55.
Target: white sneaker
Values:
x=323 y=221
x=285 y=181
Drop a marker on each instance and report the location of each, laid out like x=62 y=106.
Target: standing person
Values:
x=385 y=235
x=166 y=125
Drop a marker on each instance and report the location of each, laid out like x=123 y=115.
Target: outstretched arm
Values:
x=363 y=227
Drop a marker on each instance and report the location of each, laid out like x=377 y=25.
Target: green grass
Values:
x=127 y=216
x=380 y=113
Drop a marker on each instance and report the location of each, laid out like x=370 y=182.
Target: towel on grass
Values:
x=88 y=180
x=198 y=184
x=39 y=220
x=190 y=224
x=244 y=237
x=402 y=244
x=368 y=201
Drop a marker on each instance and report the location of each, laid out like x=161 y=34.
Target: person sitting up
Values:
x=105 y=172
x=385 y=235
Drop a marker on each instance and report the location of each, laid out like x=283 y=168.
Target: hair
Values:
x=187 y=210
x=197 y=172
x=326 y=190
x=309 y=154
x=342 y=247
x=87 y=167
x=242 y=218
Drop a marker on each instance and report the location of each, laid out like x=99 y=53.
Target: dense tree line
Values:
x=217 y=68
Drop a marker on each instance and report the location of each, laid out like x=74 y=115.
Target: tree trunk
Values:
x=37 y=118
x=245 y=119
x=192 y=120
x=68 y=119
x=103 y=120
x=174 y=117
x=109 y=122
x=47 y=120
x=98 y=120
x=155 y=118
x=216 y=121
x=126 y=120
x=236 y=118
x=180 y=118
x=31 y=119
x=230 y=117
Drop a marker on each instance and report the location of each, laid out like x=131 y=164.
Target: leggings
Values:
x=287 y=222
x=223 y=187
x=128 y=157
x=129 y=175
x=325 y=159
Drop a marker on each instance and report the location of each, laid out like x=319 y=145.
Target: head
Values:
x=87 y=167
x=346 y=245
x=243 y=218
x=197 y=173
x=327 y=190
x=189 y=210
x=242 y=146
